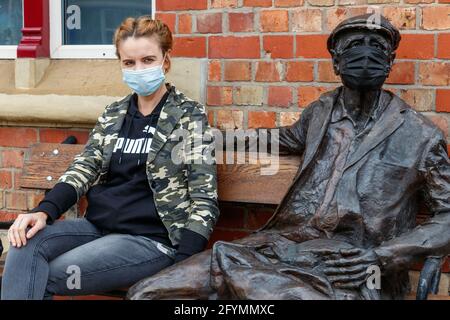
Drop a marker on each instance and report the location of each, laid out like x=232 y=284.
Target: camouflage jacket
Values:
x=185 y=190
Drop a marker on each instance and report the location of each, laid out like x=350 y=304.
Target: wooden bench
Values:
x=44 y=163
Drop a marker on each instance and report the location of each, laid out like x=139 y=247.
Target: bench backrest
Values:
x=44 y=163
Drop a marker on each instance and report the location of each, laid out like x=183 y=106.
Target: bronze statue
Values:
x=368 y=159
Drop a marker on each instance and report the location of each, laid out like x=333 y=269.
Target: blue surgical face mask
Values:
x=146 y=81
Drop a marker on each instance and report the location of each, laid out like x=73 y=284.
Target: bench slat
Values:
x=236 y=182
x=246 y=183
x=40 y=162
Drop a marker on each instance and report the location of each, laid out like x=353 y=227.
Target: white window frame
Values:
x=60 y=51
x=9 y=51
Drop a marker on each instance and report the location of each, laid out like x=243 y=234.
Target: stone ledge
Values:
x=52 y=110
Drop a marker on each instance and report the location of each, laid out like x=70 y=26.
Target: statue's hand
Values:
x=350 y=269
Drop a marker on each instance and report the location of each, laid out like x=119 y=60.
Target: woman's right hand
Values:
x=16 y=233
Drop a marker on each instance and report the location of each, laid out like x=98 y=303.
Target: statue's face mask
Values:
x=363 y=60
x=364 y=67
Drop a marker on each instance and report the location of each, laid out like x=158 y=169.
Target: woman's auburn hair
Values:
x=144 y=26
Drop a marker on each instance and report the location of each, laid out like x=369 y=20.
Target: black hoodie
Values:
x=125 y=202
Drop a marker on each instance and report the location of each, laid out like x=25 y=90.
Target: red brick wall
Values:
x=13 y=143
x=267 y=60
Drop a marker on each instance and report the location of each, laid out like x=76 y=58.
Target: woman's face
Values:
x=141 y=53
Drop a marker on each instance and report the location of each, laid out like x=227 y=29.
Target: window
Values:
x=85 y=28
x=11 y=22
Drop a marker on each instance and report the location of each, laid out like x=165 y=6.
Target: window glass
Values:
x=11 y=22
x=88 y=22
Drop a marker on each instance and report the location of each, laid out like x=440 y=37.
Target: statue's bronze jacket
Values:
x=401 y=162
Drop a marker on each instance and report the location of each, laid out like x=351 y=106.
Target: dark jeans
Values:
x=73 y=257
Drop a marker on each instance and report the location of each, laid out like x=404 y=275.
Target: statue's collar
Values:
x=340 y=110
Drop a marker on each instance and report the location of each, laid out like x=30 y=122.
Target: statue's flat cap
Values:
x=367 y=22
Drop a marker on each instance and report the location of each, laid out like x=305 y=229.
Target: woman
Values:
x=146 y=209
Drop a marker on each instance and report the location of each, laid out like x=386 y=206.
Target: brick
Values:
x=230 y=119
x=249 y=95
x=280 y=96
x=307 y=20
x=225 y=235
x=238 y=71
x=402 y=18
x=241 y=22
x=351 y=2
x=210 y=114
x=279 y=46
x=33 y=200
x=224 y=3
x=443 y=46
x=274 y=21
x=306 y=95
x=312 y=46
x=441 y=122
x=335 y=16
x=12 y=158
x=17 y=176
x=17 y=137
x=219 y=96
x=321 y=3
x=193 y=47
x=261 y=119
x=443 y=100
x=209 y=23
x=436 y=18
x=258 y=217
x=6 y=215
x=231 y=216
x=257 y=3
x=288 y=3
x=50 y=135
x=268 y=71
x=299 y=71
x=16 y=200
x=326 y=72
x=94 y=297
x=434 y=73
x=168 y=18
x=419 y=99
x=179 y=5
x=184 y=23
x=6 y=179
x=402 y=73
x=382 y=1
x=234 y=47
x=416 y=46
x=288 y=118
x=214 y=70
x=418 y=1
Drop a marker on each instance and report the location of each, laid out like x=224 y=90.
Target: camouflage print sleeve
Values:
x=85 y=168
x=201 y=174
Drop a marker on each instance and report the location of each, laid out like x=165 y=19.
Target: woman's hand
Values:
x=16 y=233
